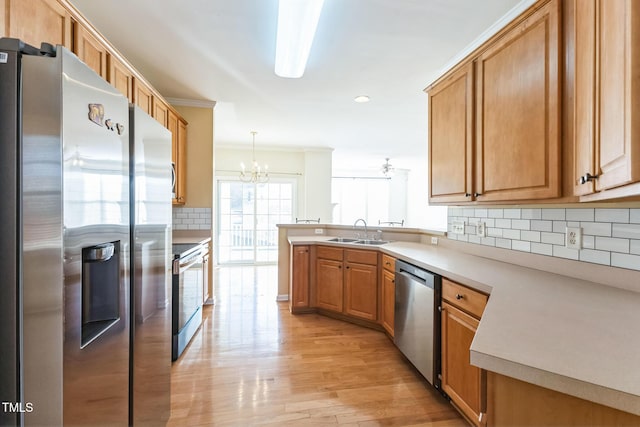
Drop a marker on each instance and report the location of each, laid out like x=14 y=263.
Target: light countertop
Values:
x=570 y=335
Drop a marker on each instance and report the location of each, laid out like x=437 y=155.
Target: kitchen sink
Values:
x=342 y=240
x=371 y=242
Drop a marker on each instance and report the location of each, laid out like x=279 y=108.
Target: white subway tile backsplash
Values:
x=612 y=244
x=562 y=252
x=191 y=218
x=625 y=261
x=629 y=231
x=596 y=228
x=612 y=215
x=521 y=224
x=588 y=242
x=542 y=249
x=580 y=214
x=537 y=225
x=512 y=213
x=552 y=238
x=553 y=214
x=531 y=236
x=530 y=214
x=609 y=236
x=519 y=245
x=597 y=257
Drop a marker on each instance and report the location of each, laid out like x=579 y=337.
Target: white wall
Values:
x=317 y=179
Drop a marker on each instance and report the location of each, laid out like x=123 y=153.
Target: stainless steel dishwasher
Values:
x=417 y=320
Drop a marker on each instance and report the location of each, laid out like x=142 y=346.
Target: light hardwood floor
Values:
x=253 y=363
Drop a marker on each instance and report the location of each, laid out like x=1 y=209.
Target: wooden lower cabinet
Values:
x=388 y=285
x=299 y=278
x=205 y=282
x=329 y=285
x=462 y=308
x=463 y=382
x=511 y=402
x=361 y=290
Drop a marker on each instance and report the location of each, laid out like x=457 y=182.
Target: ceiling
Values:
x=223 y=51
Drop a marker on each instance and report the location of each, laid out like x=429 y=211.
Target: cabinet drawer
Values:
x=464 y=298
x=328 y=252
x=388 y=263
x=362 y=257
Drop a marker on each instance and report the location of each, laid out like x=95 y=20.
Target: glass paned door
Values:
x=247 y=218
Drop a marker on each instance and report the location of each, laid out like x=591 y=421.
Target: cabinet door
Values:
x=181 y=163
x=361 y=290
x=618 y=157
x=121 y=77
x=388 y=300
x=91 y=51
x=160 y=111
x=37 y=21
x=299 y=288
x=205 y=279
x=329 y=285
x=172 y=125
x=142 y=96
x=463 y=382
x=451 y=138
x=518 y=111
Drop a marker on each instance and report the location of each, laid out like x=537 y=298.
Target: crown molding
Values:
x=201 y=103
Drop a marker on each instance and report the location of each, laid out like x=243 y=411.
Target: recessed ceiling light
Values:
x=361 y=98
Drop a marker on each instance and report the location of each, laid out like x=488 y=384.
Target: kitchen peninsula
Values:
x=539 y=327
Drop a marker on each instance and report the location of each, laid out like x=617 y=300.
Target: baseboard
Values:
x=283 y=297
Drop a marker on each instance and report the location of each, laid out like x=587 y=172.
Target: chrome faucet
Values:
x=365 y=227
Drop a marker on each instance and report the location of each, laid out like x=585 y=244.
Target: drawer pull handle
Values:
x=459 y=296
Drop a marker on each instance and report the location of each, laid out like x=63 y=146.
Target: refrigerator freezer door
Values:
x=81 y=168
x=151 y=296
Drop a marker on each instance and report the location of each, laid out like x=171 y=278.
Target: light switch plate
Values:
x=573 y=238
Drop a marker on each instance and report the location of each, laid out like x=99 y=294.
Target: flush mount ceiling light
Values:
x=256 y=174
x=387 y=169
x=297 y=22
x=361 y=98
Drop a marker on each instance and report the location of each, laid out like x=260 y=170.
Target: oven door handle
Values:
x=181 y=265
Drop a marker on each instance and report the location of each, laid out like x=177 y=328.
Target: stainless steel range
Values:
x=188 y=279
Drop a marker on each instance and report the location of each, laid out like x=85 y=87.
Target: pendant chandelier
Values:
x=257 y=174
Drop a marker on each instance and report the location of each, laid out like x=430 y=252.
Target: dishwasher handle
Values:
x=404 y=275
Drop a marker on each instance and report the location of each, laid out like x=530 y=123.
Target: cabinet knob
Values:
x=587 y=177
x=459 y=296
x=347 y=267
x=477 y=194
x=467 y=194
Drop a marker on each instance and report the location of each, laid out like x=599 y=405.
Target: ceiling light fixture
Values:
x=387 y=169
x=256 y=175
x=297 y=22
x=361 y=98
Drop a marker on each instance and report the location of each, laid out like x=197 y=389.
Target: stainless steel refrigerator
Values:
x=68 y=312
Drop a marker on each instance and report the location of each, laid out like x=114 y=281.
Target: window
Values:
x=247 y=218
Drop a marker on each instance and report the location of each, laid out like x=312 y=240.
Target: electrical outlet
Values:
x=434 y=241
x=319 y=231
x=457 y=227
x=573 y=238
x=481 y=229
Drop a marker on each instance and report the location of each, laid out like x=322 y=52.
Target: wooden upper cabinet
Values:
x=451 y=112
x=121 y=77
x=181 y=164
x=37 y=21
x=606 y=112
x=142 y=96
x=90 y=50
x=160 y=111
x=518 y=111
